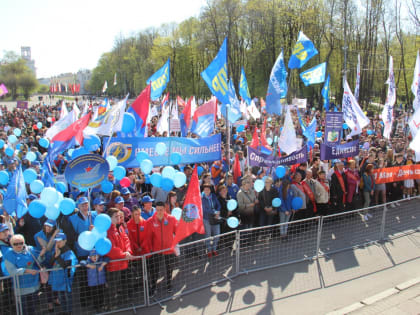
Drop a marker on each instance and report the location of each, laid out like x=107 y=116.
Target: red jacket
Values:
x=137 y=236
x=160 y=234
x=120 y=245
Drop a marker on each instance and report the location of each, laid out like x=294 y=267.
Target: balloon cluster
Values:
x=51 y=201
x=97 y=237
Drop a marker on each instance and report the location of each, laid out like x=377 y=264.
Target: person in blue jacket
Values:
x=285 y=209
x=211 y=215
x=23 y=261
x=61 y=278
x=6 y=284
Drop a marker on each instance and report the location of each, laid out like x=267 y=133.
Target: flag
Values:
x=277 y=86
x=303 y=51
x=243 y=88
x=165 y=100
x=68 y=137
x=253 y=111
x=191 y=220
x=15 y=199
x=215 y=75
x=140 y=109
x=326 y=94
x=231 y=109
x=181 y=102
x=174 y=111
x=163 y=124
x=61 y=124
x=186 y=118
x=357 y=88
x=103 y=107
x=236 y=169
x=415 y=86
x=388 y=110
x=309 y=132
x=64 y=112
x=414 y=123
x=3 y=89
x=352 y=113
x=115 y=78
x=204 y=118
x=287 y=141
x=158 y=81
x=265 y=147
x=255 y=142
x=104 y=88
x=314 y=75
x=47 y=175
x=244 y=109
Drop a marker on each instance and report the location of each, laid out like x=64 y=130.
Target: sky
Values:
x=66 y=36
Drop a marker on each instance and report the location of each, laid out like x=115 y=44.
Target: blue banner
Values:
x=243 y=88
x=215 y=75
x=277 y=86
x=345 y=150
x=207 y=149
x=86 y=171
x=257 y=158
x=314 y=75
x=326 y=94
x=333 y=127
x=303 y=51
x=159 y=80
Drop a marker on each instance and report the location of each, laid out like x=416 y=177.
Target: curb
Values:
x=376 y=298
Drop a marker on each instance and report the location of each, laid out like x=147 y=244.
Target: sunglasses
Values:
x=18 y=244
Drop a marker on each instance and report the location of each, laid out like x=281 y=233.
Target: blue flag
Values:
x=158 y=81
x=309 y=132
x=303 y=51
x=277 y=86
x=15 y=199
x=234 y=110
x=215 y=75
x=326 y=94
x=314 y=75
x=47 y=175
x=243 y=88
x=303 y=125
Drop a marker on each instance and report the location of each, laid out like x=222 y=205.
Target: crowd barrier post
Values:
x=382 y=232
x=318 y=238
x=145 y=279
x=238 y=252
x=16 y=291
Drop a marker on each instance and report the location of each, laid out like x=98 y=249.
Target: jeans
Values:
x=66 y=300
x=266 y=219
x=29 y=303
x=211 y=230
x=283 y=219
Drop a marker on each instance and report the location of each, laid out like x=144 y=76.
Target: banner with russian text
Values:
x=207 y=149
x=256 y=158
x=333 y=126
x=396 y=174
x=340 y=151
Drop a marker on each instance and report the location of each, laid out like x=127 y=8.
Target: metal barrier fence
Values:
x=158 y=277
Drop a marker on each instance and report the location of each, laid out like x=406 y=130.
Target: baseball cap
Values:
x=147 y=199
x=119 y=199
x=50 y=222
x=93 y=252
x=99 y=201
x=125 y=191
x=60 y=237
x=3 y=227
x=82 y=200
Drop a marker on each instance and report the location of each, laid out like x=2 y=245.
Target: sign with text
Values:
x=396 y=173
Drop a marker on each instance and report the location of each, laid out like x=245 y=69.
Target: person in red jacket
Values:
x=117 y=272
x=160 y=230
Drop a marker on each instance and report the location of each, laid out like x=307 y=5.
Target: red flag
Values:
x=181 y=103
x=191 y=220
x=262 y=136
x=236 y=169
x=187 y=112
x=255 y=142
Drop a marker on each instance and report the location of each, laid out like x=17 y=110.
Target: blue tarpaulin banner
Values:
x=345 y=150
x=257 y=158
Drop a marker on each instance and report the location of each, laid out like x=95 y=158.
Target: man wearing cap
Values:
x=129 y=201
x=99 y=205
x=148 y=211
x=119 y=204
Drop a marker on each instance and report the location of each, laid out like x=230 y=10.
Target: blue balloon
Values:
x=36 y=186
x=37 y=209
x=156 y=179
x=52 y=212
x=297 y=203
x=200 y=170
x=49 y=196
x=29 y=175
x=232 y=204
x=160 y=148
x=147 y=179
x=107 y=186
x=129 y=122
x=180 y=179
x=86 y=240
x=61 y=187
x=12 y=139
x=167 y=184
x=269 y=141
x=103 y=246
x=92 y=143
x=345 y=126
x=280 y=171
x=4 y=177
x=9 y=151
x=17 y=132
x=258 y=185
x=39 y=124
x=175 y=157
x=43 y=142
x=177 y=213
x=269 y=119
x=112 y=161
x=67 y=206
x=1 y=143
x=319 y=134
x=102 y=222
x=370 y=132
x=146 y=166
x=233 y=222
x=240 y=128
x=141 y=155
x=98 y=235
x=30 y=156
x=79 y=152
x=276 y=202
x=235 y=137
x=119 y=172
x=168 y=172
x=19 y=146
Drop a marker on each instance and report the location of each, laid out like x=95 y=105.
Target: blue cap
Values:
x=32 y=197
x=3 y=227
x=125 y=191
x=147 y=199
x=60 y=237
x=82 y=200
x=99 y=201
x=119 y=199
x=10 y=161
x=50 y=222
x=93 y=252
x=35 y=163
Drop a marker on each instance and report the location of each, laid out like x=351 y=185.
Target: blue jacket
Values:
x=96 y=277
x=42 y=235
x=61 y=278
x=145 y=215
x=286 y=204
x=368 y=183
x=233 y=190
x=4 y=247
x=210 y=206
x=81 y=225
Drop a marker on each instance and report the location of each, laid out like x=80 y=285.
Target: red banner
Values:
x=396 y=173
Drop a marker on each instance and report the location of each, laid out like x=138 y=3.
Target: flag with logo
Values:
x=15 y=199
x=415 y=86
x=191 y=220
x=277 y=87
x=326 y=94
x=243 y=88
x=204 y=118
x=61 y=124
x=352 y=113
x=159 y=80
x=303 y=51
x=388 y=110
x=314 y=75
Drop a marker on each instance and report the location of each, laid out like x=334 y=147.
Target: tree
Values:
x=28 y=83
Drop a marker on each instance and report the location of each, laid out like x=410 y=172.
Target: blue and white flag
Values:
x=233 y=108
x=357 y=88
x=352 y=113
x=243 y=88
x=287 y=141
x=303 y=51
x=215 y=75
x=277 y=86
x=159 y=80
x=314 y=75
x=326 y=94
x=388 y=110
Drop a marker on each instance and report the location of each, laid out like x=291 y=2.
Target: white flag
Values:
x=253 y=111
x=193 y=107
x=415 y=86
x=115 y=78
x=244 y=109
x=288 y=142
x=357 y=88
x=174 y=111
x=388 y=111
x=163 y=124
x=352 y=113
x=76 y=111
x=105 y=87
x=64 y=112
x=414 y=123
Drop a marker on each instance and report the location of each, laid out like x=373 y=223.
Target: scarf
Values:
x=342 y=185
x=309 y=193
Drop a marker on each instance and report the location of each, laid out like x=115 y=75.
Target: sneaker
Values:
x=366 y=217
x=215 y=253
x=369 y=216
x=209 y=254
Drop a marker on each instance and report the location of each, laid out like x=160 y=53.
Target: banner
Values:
x=87 y=171
x=207 y=149
x=159 y=80
x=300 y=102
x=314 y=75
x=303 y=51
x=345 y=150
x=256 y=158
x=333 y=126
x=22 y=104
x=396 y=174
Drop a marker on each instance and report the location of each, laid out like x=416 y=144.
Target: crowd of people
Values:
x=141 y=213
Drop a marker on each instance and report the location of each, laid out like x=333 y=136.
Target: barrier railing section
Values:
x=8 y=299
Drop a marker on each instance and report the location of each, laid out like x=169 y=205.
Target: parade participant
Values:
x=6 y=284
x=148 y=210
x=136 y=227
x=232 y=187
x=246 y=202
x=286 y=196
x=120 y=205
x=99 y=205
x=322 y=194
x=368 y=189
x=129 y=201
x=298 y=191
x=265 y=200
x=211 y=219
x=353 y=179
x=338 y=188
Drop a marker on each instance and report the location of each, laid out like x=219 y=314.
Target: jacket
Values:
x=80 y=224
x=120 y=245
x=265 y=198
x=286 y=203
x=210 y=206
x=322 y=196
x=137 y=236
x=94 y=276
x=160 y=234
x=4 y=247
x=61 y=278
